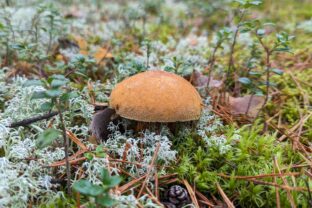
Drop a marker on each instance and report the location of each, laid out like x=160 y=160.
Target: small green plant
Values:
x=98 y=152
x=98 y=194
x=57 y=94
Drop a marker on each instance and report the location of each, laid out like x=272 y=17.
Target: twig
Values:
x=28 y=121
x=260 y=176
x=72 y=162
x=155 y=199
x=167 y=176
x=289 y=188
x=66 y=145
x=304 y=95
x=134 y=163
x=306 y=159
x=76 y=140
x=225 y=198
x=149 y=169
x=192 y=193
x=277 y=195
x=204 y=199
x=292 y=129
x=72 y=157
x=130 y=184
x=156 y=185
x=78 y=199
x=231 y=60
x=127 y=147
x=289 y=196
x=212 y=61
x=169 y=181
x=307 y=173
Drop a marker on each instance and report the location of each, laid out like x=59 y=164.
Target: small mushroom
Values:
x=156 y=96
x=151 y=96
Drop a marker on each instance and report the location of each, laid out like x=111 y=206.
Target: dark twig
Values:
x=29 y=121
x=34 y=119
x=232 y=50
x=212 y=62
x=66 y=145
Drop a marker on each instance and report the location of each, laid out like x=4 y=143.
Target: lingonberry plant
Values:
x=57 y=93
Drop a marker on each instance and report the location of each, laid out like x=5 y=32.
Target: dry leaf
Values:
x=240 y=105
x=83 y=45
x=200 y=80
x=59 y=57
x=21 y=68
x=102 y=53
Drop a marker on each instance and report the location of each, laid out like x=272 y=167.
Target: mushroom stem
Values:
x=100 y=122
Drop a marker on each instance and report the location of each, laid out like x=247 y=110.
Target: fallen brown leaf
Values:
x=247 y=105
x=83 y=45
x=102 y=53
x=201 y=80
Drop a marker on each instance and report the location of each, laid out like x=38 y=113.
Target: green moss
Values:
x=252 y=155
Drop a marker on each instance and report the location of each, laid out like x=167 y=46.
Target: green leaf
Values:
x=258 y=92
x=58 y=76
x=39 y=95
x=47 y=137
x=88 y=155
x=244 y=80
x=261 y=32
x=46 y=106
x=245 y=30
x=53 y=93
x=80 y=74
x=269 y=24
x=58 y=83
x=256 y=2
x=17 y=46
x=271 y=84
x=105 y=176
x=33 y=82
x=70 y=95
x=105 y=200
x=255 y=73
x=109 y=181
x=277 y=71
x=114 y=181
x=87 y=188
x=282 y=49
x=101 y=154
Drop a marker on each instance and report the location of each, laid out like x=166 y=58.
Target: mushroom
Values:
x=156 y=96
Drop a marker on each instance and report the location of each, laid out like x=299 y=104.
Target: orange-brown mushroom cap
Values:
x=156 y=96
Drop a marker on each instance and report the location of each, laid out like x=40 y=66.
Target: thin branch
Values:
x=149 y=169
x=192 y=193
x=130 y=184
x=289 y=195
x=289 y=188
x=277 y=195
x=212 y=61
x=29 y=121
x=231 y=60
x=260 y=176
x=225 y=198
x=66 y=145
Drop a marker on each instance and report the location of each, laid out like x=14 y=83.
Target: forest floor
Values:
x=250 y=60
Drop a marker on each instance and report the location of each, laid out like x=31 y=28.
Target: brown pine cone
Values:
x=178 y=196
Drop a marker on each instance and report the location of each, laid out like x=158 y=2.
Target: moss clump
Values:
x=251 y=154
